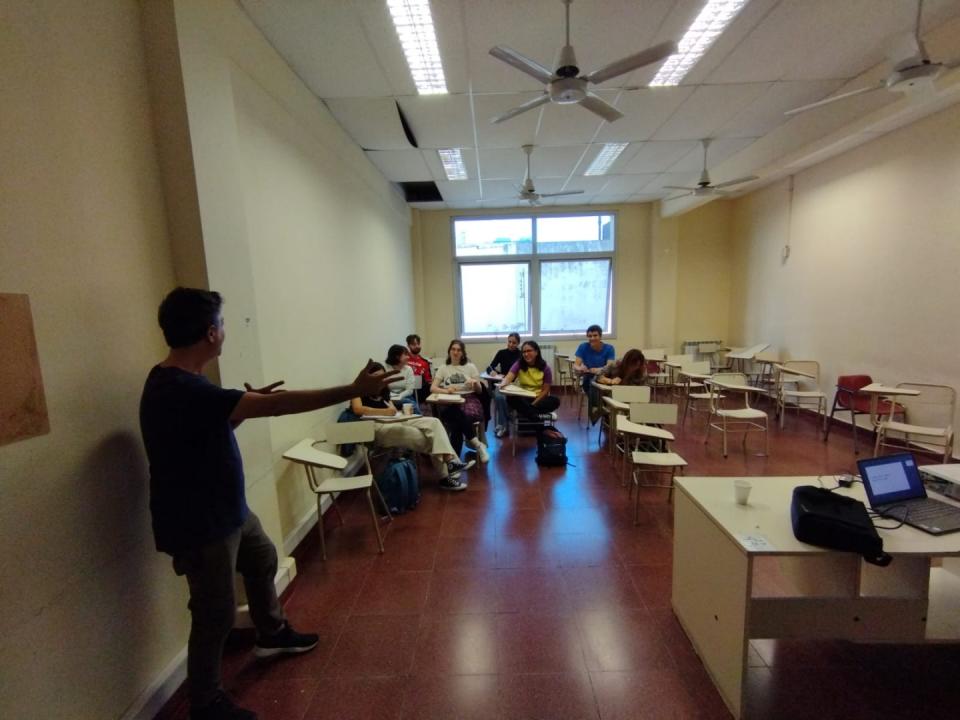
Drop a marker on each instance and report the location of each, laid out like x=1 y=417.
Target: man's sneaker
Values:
x=287 y=640
x=500 y=432
x=222 y=708
x=455 y=467
x=481 y=451
x=453 y=484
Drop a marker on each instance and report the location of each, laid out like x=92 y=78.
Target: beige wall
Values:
x=870 y=285
x=269 y=202
x=434 y=270
x=91 y=612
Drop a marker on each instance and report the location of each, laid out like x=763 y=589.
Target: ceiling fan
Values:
x=529 y=193
x=704 y=186
x=911 y=68
x=566 y=86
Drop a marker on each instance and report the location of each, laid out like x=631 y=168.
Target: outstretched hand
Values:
x=266 y=389
x=370 y=382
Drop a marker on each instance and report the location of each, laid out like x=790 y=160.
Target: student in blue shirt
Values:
x=591 y=358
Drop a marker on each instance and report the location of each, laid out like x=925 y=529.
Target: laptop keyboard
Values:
x=921 y=510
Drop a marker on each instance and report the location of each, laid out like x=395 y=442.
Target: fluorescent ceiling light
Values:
x=453 y=163
x=711 y=21
x=605 y=158
x=415 y=29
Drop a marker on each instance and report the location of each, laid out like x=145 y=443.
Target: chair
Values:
x=927 y=416
x=562 y=369
x=848 y=398
x=641 y=430
x=520 y=424
x=657 y=375
x=578 y=394
x=694 y=391
x=805 y=390
x=675 y=363
x=745 y=419
x=655 y=457
x=761 y=374
x=304 y=453
x=618 y=403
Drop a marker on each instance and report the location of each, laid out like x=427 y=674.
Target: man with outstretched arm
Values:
x=197 y=496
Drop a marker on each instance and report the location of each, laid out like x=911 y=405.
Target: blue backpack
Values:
x=399 y=485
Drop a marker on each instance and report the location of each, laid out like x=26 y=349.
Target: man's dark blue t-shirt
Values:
x=196 y=472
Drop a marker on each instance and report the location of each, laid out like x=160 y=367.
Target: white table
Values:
x=718 y=593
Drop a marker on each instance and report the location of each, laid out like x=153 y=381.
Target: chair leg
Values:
x=828 y=423
x=853 y=428
x=879 y=441
x=323 y=543
x=724 y=431
x=636 y=504
x=383 y=502
x=376 y=523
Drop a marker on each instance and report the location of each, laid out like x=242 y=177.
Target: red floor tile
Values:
x=622 y=640
x=374 y=645
x=358 y=698
x=547 y=697
x=457 y=645
x=531 y=643
x=452 y=697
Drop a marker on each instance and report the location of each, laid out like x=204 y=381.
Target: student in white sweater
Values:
x=402 y=391
x=460 y=376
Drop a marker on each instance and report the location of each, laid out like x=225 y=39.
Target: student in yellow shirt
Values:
x=532 y=373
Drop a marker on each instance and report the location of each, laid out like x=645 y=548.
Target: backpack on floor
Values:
x=551 y=448
x=399 y=485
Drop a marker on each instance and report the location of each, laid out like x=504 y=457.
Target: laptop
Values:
x=896 y=491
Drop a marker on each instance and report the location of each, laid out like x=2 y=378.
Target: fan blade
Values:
x=561 y=194
x=728 y=183
x=677 y=197
x=679 y=187
x=522 y=63
x=529 y=105
x=632 y=62
x=600 y=107
x=844 y=96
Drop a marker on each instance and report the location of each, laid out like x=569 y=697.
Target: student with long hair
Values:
x=460 y=376
x=631 y=370
x=402 y=391
x=500 y=365
x=532 y=373
x=421 y=434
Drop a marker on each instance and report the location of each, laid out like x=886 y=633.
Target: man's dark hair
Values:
x=411 y=337
x=395 y=353
x=186 y=313
x=514 y=335
x=596 y=329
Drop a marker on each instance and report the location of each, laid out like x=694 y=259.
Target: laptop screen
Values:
x=891 y=478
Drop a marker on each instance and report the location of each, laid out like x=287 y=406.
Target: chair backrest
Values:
x=347 y=433
x=933 y=407
x=654 y=354
x=811 y=367
x=418 y=382
x=631 y=393
x=653 y=413
x=847 y=385
x=680 y=359
x=700 y=366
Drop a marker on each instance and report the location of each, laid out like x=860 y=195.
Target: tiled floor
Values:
x=532 y=596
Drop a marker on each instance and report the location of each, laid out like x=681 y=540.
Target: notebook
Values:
x=895 y=490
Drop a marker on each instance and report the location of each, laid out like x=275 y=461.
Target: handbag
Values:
x=473 y=408
x=825 y=518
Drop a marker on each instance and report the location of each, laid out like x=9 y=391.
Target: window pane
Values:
x=495 y=298
x=495 y=236
x=574 y=295
x=575 y=234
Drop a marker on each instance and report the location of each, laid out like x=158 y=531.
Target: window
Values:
x=539 y=275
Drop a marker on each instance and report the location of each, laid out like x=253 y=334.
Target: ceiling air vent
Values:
x=421 y=192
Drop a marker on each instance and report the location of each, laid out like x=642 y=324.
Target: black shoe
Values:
x=287 y=640
x=452 y=484
x=222 y=708
x=455 y=467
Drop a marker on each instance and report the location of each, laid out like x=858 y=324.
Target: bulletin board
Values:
x=23 y=408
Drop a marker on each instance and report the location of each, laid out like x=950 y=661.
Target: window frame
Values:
x=533 y=260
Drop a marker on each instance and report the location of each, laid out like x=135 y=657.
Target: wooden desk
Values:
x=718 y=593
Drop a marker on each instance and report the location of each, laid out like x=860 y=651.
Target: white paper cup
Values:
x=407 y=409
x=741 y=491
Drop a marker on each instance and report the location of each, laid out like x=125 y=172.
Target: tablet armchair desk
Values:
x=714 y=580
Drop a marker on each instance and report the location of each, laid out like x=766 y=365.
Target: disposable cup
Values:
x=741 y=491
x=407 y=409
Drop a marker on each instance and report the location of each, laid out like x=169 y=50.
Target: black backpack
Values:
x=551 y=448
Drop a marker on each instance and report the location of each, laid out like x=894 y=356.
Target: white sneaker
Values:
x=481 y=449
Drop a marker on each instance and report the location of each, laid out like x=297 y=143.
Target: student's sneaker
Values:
x=454 y=484
x=222 y=708
x=500 y=432
x=455 y=467
x=286 y=640
x=480 y=449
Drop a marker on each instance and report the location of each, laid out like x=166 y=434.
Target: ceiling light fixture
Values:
x=452 y=161
x=711 y=21
x=604 y=159
x=414 y=25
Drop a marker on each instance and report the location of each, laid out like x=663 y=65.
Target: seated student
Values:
x=631 y=370
x=402 y=391
x=420 y=366
x=500 y=366
x=421 y=434
x=591 y=357
x=461 y=376
x=532 y=373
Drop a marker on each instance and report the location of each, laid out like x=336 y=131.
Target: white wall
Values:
x=871 y=282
